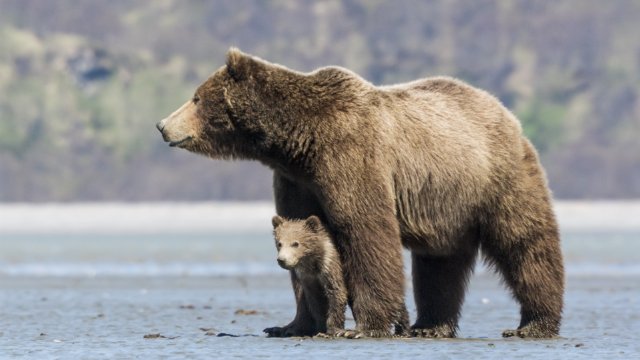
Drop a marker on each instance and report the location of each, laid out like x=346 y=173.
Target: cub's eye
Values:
x=195 y=99
x=295 y=244
x=278 y=245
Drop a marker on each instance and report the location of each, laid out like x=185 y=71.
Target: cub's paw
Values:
x=436 y=332
x=276 y=331
x=289 y=331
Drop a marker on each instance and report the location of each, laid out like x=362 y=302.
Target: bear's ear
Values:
x=276 y=221
x=240 y=65
x=313 y=223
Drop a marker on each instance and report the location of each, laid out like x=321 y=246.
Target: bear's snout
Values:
x=182 y=126
x=287 y=263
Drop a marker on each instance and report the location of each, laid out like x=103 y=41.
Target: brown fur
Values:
x=434 y=165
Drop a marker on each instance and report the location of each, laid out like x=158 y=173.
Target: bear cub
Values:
x=306 y=248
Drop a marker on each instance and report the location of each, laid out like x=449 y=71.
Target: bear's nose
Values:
x=281 y=263
x=159 y=126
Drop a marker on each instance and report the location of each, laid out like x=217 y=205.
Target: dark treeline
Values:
x=82 y=83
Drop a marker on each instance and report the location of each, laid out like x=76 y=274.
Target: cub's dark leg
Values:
x=303 y=324
x=295 y=202
x=439 y=285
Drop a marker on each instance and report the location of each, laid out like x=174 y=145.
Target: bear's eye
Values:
x=295 y=244
x=195 y=99
x=278 y=245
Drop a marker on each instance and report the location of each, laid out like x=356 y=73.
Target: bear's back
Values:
x=447 y=144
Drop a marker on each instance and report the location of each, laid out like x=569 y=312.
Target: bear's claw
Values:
x=349 y=334
x=437 y=332
x=359 y=334
x=542 y=328
x=531 y=332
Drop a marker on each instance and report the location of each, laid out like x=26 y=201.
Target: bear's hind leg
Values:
x=522 y=242
x=439 y=285
x=532 y=268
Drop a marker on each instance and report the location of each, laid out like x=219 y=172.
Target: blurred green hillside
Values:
x=82 y=83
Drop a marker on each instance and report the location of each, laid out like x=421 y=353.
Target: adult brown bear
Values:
x=435 y=165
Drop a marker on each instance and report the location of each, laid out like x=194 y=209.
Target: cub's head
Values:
x=298 y=241
x=227 y=115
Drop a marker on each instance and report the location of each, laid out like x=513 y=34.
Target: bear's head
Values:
x=253 y=109
x=231 y=113
x=299 y=242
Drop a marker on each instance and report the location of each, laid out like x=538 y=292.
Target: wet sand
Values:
x=223 y=317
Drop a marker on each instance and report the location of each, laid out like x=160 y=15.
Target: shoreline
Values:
x=234 y=217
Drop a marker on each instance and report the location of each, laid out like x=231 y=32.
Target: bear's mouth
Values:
x=180 y=142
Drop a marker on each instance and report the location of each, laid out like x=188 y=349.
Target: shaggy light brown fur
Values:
x=434 y=165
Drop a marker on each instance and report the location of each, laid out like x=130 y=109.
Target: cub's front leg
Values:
x=303 y=324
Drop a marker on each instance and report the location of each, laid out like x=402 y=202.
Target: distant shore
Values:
x=203 y=217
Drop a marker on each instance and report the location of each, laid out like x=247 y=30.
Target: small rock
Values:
x=188 y=307
x=579 y=345
x=159 y=336
x=246 y=312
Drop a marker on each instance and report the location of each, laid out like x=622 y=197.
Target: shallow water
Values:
x=97 y=296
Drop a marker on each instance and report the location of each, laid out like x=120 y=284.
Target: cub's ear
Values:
x=313 y=223
x=239 y=64
x=276 y=221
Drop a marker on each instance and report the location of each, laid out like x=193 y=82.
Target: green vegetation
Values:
x=83 y=83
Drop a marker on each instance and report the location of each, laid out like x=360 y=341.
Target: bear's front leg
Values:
x=371 y=252
x=359 y=207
